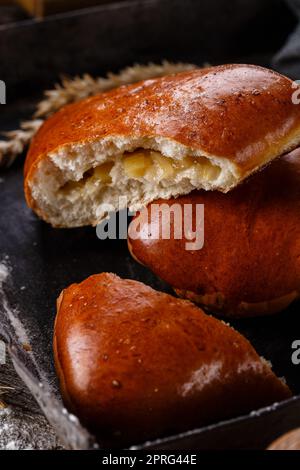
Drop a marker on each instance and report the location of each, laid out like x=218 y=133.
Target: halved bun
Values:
x=250 y=262
x=208 y=128
x=135 y=363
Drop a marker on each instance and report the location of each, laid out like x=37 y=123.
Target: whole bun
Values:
x=202 y=129
x=250 y=262
x=135 y=364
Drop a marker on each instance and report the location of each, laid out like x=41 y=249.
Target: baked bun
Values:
x=206 y=128
x=134 y=363
x=250 y=262
x=289 y=441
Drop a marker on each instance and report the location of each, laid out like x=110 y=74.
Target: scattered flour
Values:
x=10 y=313
x=19 y=430
x=4 y=273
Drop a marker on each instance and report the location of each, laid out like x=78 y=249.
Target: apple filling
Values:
x=94 y=176
x=153 y=166
x=146 y=166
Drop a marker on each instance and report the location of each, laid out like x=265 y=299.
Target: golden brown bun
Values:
x=233 y=117
x=250 y=262
x=134 y=363
x=289 y=441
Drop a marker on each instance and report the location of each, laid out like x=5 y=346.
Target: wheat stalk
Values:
x=71 y=90
x=17 y=141
x=4 y=389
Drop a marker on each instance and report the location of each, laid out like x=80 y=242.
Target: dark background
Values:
x=33 y=55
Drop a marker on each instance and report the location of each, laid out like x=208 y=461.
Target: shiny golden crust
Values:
x=135 y=363
x=241 y=113
x=288 y=441
x=250 y=262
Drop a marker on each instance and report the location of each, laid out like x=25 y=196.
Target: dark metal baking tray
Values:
x=44 y=260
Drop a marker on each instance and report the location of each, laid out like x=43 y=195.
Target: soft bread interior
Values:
x=76 y=185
